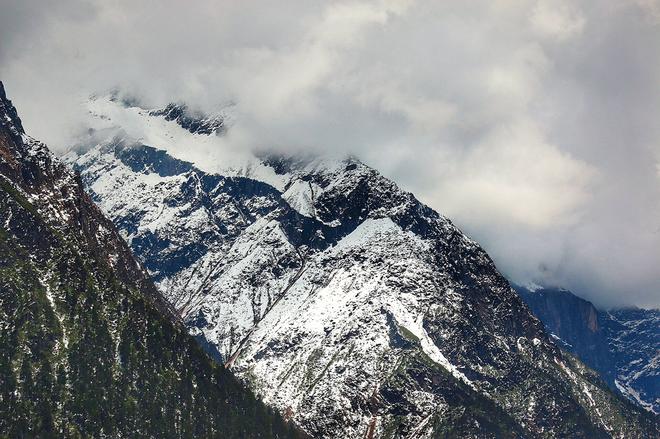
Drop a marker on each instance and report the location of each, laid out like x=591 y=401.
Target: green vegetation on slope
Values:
x=83 y=355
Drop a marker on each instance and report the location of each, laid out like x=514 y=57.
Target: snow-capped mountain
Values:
x=340 y=299
x=622 y=344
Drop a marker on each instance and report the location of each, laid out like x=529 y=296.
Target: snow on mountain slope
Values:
x=342 y=300
x=634 y=336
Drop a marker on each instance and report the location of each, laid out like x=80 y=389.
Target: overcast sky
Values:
x=534 y=125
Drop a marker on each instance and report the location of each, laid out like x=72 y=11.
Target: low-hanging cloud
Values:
x=532 y=124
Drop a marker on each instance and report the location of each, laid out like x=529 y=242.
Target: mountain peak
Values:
x=8 y=115
x=193 y=121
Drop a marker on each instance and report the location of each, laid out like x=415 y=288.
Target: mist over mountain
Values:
x=532 y=124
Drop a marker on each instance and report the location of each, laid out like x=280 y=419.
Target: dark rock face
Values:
x=577 y=323
x=195 y=123
x=346 y=303
x=88 y=347
x=623 y=345
x=11 y=120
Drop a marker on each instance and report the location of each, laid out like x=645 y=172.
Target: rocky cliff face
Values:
x=88 y=347
x=339 y=298
x=623 y=345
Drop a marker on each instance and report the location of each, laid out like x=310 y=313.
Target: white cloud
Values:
x=557 y=19
x=528 y=122
x=651 y=8
x=516 y=176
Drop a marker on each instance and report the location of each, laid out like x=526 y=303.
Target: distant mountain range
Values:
x=623 y=345
x=339 y=299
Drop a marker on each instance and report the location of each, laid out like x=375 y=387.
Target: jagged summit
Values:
x=195 y=122
x=340 y=299
x=8 y=114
